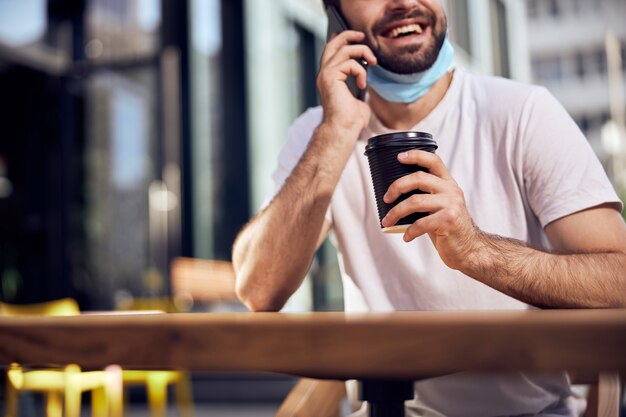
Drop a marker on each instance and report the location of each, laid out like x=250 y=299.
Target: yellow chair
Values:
x=61 y=307
x=62 y=387
x=160 y=304
x=157 y=381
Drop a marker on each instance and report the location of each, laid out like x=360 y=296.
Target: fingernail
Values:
x=403 y=155
x=384 y=222
x=386 y=198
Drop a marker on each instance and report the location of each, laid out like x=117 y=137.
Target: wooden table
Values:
x=402 y=345
x=386 y=351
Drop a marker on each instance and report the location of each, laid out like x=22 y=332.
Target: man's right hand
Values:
x=342 y=110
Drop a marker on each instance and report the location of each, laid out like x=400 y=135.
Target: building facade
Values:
x=567 y=41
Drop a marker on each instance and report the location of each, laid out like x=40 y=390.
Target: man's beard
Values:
x=405 y=60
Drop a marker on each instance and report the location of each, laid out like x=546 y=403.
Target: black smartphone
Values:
x=337 y=24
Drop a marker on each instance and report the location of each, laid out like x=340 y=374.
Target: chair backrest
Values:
x=61 y=307
x=203 y=280
x=194 y=281
x=162 y=304
x=313 y=398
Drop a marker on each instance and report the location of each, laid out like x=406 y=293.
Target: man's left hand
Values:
x=448 y=224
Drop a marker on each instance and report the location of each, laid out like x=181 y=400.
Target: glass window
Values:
x=127 y=208
x=596 y=61
x=310 y=53
x=38 y=34
x=459 y=22
x=547 y=68
x=596 y=121
x=22 y=22
x=206 y=110
x=121 y=130
x=122 y=28
x=583 y=123
x=500 y=39
x=580 y=6
x=567 y=7
x=580 y=65
x=602 y=61
x=554 y=8
x=533 y=9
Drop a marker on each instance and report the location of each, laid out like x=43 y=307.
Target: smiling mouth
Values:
x=402 y=31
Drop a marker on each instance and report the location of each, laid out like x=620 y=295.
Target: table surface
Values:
x=327 y=345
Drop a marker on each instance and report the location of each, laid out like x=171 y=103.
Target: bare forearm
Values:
x=273 y=253
x=548 y=279
x=590 y=271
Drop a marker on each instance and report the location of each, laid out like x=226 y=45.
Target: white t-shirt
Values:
x=522 y=163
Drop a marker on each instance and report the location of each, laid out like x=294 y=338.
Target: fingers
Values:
x=448 y=222
x=342 y=39
x=439 y=192
x=345 y=46
x=428 y=160
x=419 y=180
x=340 y=72
x=450 y=199
x=353 y=52
x=435 y=223
x=417 y=203
x=351 y=67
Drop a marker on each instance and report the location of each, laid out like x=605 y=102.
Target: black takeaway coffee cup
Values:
x=382 y=153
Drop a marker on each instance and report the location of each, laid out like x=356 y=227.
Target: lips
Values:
x=404 y=31
x=410 y=29
x=399 y=24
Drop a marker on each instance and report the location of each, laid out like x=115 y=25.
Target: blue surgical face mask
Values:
x=406 y=88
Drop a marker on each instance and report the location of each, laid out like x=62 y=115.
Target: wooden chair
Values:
x=61 y=387
x=322 y=398
x=313 y=398
x=203 y=281
x=605 y=393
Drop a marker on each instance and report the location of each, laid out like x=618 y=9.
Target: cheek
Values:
x=436 y=7
x=359 y=14
x=431 y=4
x=366 y=10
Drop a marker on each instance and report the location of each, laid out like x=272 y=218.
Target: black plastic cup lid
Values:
x=416 y=139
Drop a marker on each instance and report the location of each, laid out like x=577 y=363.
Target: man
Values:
x=521 y=212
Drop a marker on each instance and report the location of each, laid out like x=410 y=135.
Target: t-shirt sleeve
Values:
x=562 y=174
x=298 y=138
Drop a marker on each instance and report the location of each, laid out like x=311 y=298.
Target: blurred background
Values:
x=133 y=132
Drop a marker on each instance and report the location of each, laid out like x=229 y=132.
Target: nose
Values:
x=402 y=4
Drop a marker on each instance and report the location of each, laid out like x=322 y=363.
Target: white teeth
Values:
x=406 y=29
